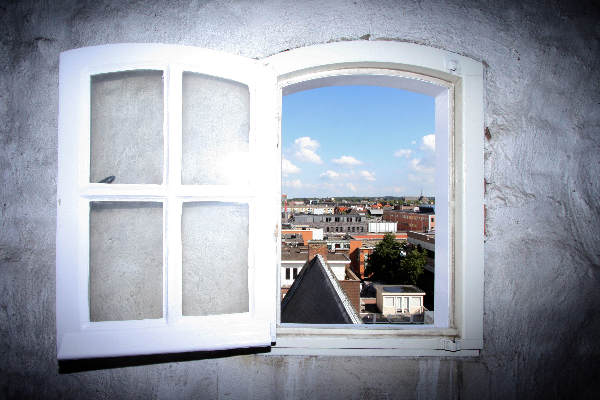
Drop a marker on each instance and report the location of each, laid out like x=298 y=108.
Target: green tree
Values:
x=395 y=262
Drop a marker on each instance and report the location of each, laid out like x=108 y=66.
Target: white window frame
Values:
x=458 y=328
x=460 y=331
x=77 y=337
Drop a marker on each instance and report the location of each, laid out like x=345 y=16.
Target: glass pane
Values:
x=215 y=258
x=126 y=261
x=348 y=110
x=216 y=122
x=127 y=127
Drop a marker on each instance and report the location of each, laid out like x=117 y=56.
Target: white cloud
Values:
x=351 y=187
x=306 y=150
x=346 y=160
x=370 y=176
x=399 y=189
x=413 y=178
x=287 y=167
x=418 y=165
x=295 y=183
x=329 y=174
x=413 y=142
x=421 y=179
x=403 y=153
x=428 y=142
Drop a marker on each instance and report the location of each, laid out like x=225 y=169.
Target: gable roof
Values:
x=316 y=297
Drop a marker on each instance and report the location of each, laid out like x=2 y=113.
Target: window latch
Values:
x=452 y=345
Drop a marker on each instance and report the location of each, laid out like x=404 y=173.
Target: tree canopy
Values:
x=395 y=262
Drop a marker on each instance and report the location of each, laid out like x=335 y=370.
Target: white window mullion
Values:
x=173 y=180
x=83 y=261
x=216 y=192
x=123 y=192
x=173 y=128
x=173 y=259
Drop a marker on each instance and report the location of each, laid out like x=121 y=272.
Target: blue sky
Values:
x=357 y=141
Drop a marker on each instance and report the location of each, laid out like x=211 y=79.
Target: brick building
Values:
x=411 y=220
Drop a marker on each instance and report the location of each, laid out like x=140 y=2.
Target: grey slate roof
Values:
x=316 y=297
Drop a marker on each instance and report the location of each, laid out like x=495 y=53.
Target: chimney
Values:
x=317 y=247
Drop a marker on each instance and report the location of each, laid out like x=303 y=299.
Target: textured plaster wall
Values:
x=542 y=252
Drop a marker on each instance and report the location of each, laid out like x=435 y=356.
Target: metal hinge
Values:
x=452 y=345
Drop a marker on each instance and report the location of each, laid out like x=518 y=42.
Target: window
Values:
x=287 y=274
x=388 y=301
x=416 y=301
x=401 y=304
x=157 y=195
x=455 y=83
x=172 y=184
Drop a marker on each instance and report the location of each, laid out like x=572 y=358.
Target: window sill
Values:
x=383 y=341
x=368 y=352
x=365 y=330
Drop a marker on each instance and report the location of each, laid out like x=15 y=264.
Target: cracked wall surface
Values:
x=542 y=252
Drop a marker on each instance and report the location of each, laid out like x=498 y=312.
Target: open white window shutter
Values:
x=174 y=332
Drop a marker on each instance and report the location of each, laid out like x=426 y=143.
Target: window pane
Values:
x=127 y=127
x=216 y=122
x=215 y=258
x=126 y=261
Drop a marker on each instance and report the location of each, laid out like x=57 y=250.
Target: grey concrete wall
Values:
x=542 y=252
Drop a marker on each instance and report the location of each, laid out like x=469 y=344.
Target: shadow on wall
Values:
x=93 y=364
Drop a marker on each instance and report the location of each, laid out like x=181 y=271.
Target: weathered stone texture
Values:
x=542 y=253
